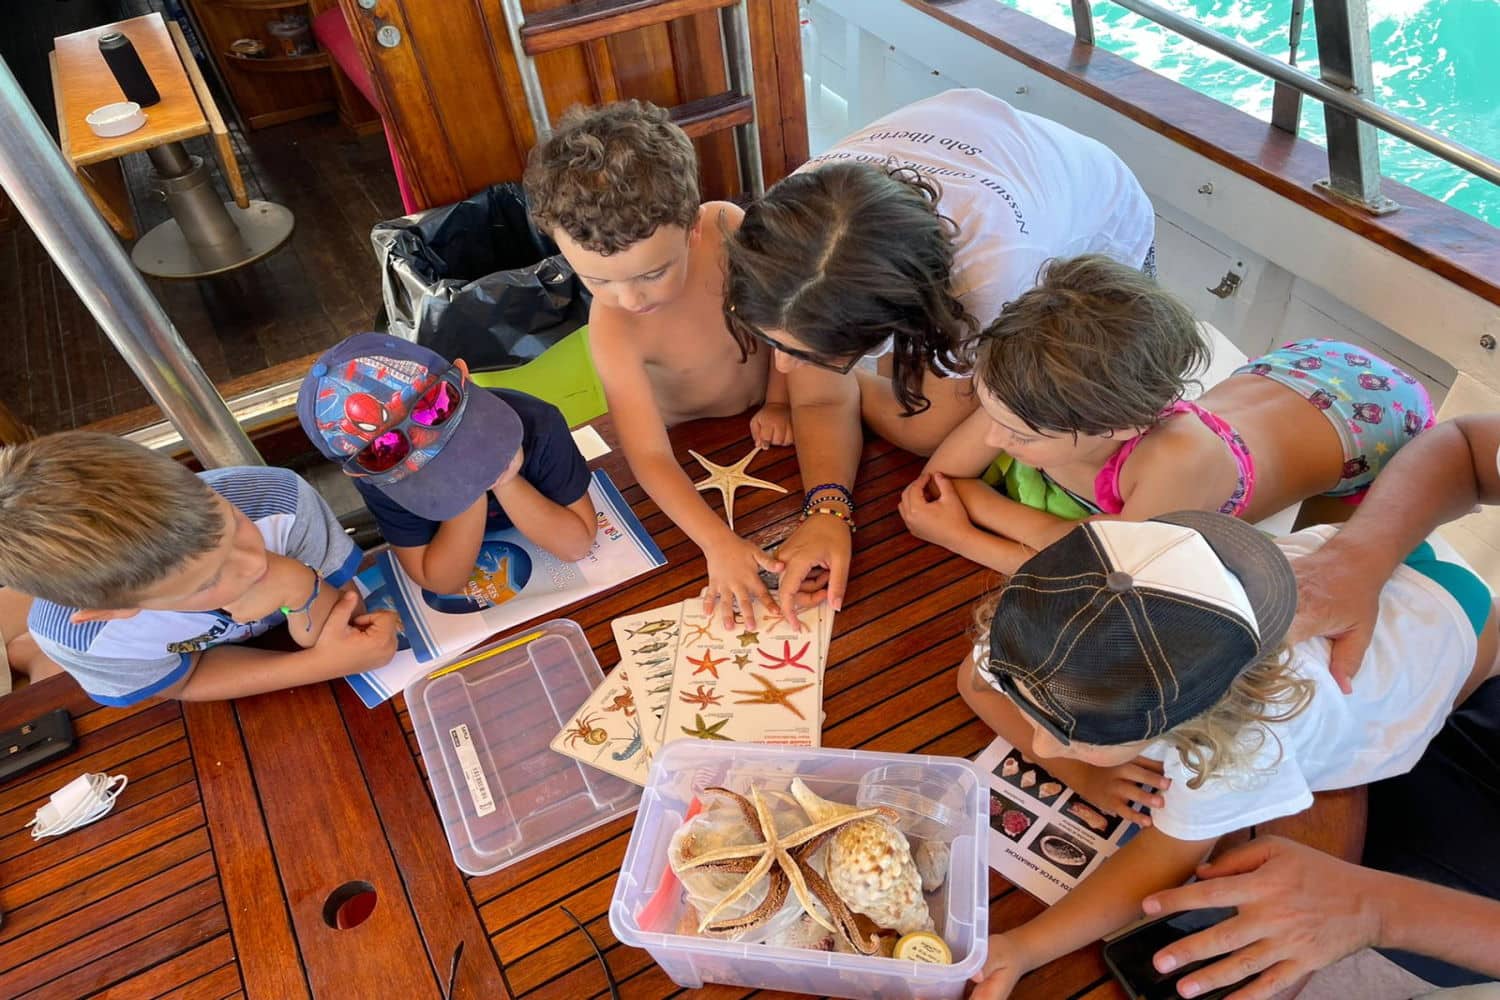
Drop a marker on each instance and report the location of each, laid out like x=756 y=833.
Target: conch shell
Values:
x=869 y=865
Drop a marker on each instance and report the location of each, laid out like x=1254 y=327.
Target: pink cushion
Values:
x=332 y=32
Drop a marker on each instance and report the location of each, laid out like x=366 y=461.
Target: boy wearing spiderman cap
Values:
x=441 y=461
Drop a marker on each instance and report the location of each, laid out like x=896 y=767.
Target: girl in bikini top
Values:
x=1083 y=378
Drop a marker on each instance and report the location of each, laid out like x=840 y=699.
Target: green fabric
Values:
x=563 y=376
x=1028 y=486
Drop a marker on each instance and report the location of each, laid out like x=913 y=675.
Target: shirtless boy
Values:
x=617 y=188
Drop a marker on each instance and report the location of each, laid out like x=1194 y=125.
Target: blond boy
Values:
x=144 y=575
x=617 y=188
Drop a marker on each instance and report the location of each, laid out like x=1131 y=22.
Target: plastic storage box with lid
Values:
x=649 y=903
x=484 y=731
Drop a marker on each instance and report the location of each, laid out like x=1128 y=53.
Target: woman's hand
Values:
x=822 y=542
x=1117 y=789
x=1003 y=967
x=772 y=425
x=933 y=511
x=734 y=567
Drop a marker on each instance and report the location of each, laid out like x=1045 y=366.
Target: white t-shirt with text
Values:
x=1021 y=189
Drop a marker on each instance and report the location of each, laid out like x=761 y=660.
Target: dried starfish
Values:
x=707 y=662
x=773 y=695
x=703 y=697
x=728 y=478
x=787 y=657
x=784 y=857
x=704 y=631
x=704 y=731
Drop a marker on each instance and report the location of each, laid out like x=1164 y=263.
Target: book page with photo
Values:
x=1044 y=837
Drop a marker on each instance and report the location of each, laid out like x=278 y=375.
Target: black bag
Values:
x=476 y=280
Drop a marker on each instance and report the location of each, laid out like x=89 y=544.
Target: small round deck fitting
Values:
x=349 y=905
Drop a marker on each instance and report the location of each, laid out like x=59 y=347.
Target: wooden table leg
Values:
x=104 y=182
x=222 y=145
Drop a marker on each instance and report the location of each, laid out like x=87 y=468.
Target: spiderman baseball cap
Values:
x=1123 y=630
x=408 y=422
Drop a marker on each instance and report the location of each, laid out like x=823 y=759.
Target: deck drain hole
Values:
x=349 y=905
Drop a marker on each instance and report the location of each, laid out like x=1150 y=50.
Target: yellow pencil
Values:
x=503 y=647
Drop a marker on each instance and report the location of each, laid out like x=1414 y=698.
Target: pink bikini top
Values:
x=1107 y=482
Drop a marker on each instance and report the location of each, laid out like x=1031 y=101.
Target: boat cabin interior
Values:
x=290 y=844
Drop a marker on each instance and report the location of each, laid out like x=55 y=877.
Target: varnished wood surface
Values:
x=588 y=20
x=86 y=84
x=452 y=89
x=1427 y=232
x=240 y=817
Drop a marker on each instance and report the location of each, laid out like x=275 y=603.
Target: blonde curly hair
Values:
x=1226 y=739
x=610 y=176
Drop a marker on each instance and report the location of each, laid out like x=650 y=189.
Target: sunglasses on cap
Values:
x=837 y=367
x=440 y=404
x=1007 y=684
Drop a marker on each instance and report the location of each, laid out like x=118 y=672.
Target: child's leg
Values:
x=951 y=398
x=21 y=650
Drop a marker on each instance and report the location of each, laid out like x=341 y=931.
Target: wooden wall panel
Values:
x=452 y=90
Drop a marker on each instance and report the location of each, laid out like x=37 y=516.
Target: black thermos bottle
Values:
x=125 y=63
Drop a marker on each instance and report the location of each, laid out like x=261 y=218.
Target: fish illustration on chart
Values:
x=651 y=647
x=658 y=661
x=651 y=627
x=657 y=675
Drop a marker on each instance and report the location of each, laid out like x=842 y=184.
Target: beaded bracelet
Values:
x=317 y=587
x=833 y=512
x=840 y=489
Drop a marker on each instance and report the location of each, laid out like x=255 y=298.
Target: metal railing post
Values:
x=1083 y=22
x=1286 y=100
x=54 y=205
x=735 y=30
x=1353 y=146
x=531 y=81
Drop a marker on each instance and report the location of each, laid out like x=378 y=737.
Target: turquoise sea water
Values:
x=1435 y=61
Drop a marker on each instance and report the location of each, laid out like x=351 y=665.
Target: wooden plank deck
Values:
x=210 y=877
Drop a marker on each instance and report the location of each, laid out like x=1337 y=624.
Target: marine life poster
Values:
x=606 y=731
x=1044 y=837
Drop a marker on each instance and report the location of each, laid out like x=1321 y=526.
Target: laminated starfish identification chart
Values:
x=686 y=675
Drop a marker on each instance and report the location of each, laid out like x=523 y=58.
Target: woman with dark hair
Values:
x=895 y=245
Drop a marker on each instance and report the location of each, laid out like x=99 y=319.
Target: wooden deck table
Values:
x=81 y=82
x=210 y=877
x=204 y=236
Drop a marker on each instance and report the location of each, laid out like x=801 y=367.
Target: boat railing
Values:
x=1345 y=76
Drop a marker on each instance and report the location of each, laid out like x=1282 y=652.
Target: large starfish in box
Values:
x=782 y=857
x=728 y=478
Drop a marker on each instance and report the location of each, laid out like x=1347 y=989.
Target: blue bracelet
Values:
x=841 y=490
x=317 y=587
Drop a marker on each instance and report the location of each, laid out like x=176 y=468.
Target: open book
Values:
x=513 y=582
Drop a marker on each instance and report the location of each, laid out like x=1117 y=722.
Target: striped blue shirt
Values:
x=123 y=661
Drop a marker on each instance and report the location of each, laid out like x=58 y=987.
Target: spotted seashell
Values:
x=870 y=867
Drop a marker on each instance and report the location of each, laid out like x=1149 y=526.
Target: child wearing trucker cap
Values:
x=1152 y=653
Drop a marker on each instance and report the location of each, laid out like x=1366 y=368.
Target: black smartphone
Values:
x=35 y=743
x=1129 y=955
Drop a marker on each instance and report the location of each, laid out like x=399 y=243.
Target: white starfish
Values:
x=728 y=478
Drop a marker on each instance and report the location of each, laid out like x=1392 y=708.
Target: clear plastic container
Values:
x=484 y=730
x=293 y=35
x=648 y=903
